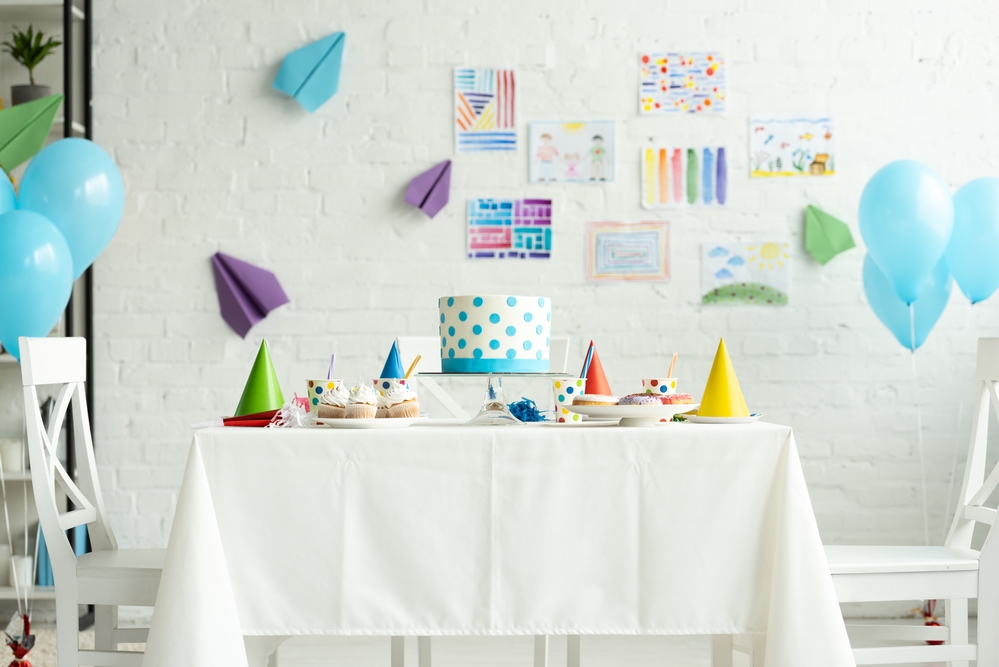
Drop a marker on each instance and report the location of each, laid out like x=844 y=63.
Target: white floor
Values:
x=691 y=651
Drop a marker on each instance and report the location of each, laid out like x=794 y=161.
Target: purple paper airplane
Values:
x=247 y=293
x=430 y=190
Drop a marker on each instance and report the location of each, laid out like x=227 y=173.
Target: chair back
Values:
x=429 y=347
x=976 y=489
x=62 y=361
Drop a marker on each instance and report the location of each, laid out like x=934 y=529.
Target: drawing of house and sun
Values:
x=746 y=273
x=792 y=147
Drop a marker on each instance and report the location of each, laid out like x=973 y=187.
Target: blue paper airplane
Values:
x=312 y=73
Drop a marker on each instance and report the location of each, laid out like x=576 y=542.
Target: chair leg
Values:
x=423 y=651
x=572 y=651
x=67 y=627
x=541 y=651
x=721 y=651
x=397 y=652
x=105 y=622
x=957 y=621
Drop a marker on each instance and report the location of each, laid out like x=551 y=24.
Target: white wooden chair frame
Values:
x=953 y=572
x=107 y=577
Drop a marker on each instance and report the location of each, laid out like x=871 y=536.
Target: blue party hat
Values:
x=393 y=365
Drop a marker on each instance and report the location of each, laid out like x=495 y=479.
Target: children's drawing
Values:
x=637 y=252
x=689 y=82
x=756 y=273
x=684 y=176
x=580 y=152
x=510 y=228
x=484 y=110
x=792 y=147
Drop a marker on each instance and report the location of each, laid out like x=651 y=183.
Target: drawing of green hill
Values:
x=746 y=293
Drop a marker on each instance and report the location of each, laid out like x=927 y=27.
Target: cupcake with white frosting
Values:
x=333 y=402
x=362 y=403
x=402 y=403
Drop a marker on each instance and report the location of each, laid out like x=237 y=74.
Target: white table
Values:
x=517 y=530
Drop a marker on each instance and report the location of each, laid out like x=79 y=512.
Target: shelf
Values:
x=34 y=593
x=12 y=477
x=77 y=127
x=35 y=10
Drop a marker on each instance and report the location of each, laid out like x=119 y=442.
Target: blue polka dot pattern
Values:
x=663 y=388
x=561 y=398
x=319 y=390
x=315 y=401
x=386 y=385
x=509 y=333
x=568 y=390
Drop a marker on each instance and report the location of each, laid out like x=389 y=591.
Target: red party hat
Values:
x=596 y=381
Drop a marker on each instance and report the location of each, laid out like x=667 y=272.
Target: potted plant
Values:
x=28 y=49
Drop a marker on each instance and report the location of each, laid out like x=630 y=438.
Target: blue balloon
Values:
x=906 y=218
x=894 y=313
x=36 y=277
x=8 y=198
x=75 y=184
x=973 y=252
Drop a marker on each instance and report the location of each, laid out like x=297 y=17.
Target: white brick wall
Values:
x=213 y=159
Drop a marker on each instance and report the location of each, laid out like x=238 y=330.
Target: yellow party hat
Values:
x=722 y=395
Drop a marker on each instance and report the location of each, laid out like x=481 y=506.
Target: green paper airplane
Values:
x=24 y=129
x=262 y=391
x=825 y=236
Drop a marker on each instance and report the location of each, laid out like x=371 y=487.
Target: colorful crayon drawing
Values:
x=484 y=110
x=618 y=251
x=746 y=273
x=684 y=176
x=681 y=82
x=792 y=147
x=510 y=228
x=581 y=152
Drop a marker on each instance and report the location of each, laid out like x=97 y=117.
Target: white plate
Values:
x=724 y=420
x=634 y=415
x=385 y=422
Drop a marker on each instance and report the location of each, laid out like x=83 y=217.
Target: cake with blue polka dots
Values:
x=495 y=334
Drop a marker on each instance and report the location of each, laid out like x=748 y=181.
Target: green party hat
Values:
x=262 y=391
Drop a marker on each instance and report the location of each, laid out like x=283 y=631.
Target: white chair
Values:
x=108 y=576
x=953 y=572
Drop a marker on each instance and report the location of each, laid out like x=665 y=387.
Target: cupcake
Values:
x=402 y=403
x=595 y=399
x=333 y=403
x=382 y=407
x=640 y=399
x=362 y=403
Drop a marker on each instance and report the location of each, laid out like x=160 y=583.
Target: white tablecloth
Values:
x=454 y=530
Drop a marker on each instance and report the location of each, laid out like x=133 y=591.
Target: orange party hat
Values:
x=722 y=394
x=596 y=381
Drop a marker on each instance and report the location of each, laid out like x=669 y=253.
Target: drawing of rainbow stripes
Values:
x=484 y=110
x=510 y=228
x=684 y=176
x=620 y=251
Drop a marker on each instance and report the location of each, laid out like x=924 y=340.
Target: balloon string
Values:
x=922 y=462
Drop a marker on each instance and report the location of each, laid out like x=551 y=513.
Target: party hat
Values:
x=596 y=381
x=262 y=391
x=722 y=395
x=393 y=365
